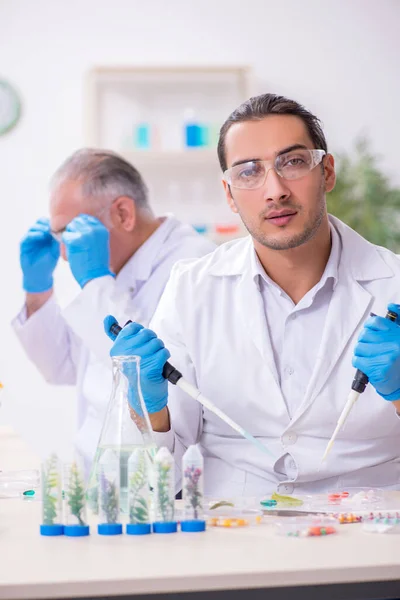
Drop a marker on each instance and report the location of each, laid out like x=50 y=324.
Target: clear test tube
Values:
x=51 y=497
x=75 y=517
x=192 y=490
x=109 y=492
x=139 y=500
x=164 y=492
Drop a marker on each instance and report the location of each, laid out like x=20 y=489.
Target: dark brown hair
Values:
x=259 y=107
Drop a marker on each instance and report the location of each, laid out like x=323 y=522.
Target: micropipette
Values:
x=359 y=384
x=175 y=377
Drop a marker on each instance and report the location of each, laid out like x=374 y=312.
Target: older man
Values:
x=120 y=254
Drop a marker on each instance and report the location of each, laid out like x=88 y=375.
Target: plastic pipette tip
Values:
x=328 y=449
x=258 y=444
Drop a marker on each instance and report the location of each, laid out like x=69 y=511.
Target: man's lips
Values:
x=282 y=218
x=277 y=215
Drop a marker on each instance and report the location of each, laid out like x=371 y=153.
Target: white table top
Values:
x=32 y=566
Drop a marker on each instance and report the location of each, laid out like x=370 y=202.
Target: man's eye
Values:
x=251 y=171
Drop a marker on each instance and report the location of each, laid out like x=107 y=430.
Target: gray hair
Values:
x=105 y=176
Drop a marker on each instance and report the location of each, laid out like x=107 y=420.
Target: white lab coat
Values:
x=212 y=319
x=70 y=346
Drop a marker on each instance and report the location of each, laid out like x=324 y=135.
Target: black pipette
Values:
x=169 y=372
x=358 y=386
x=176 y=378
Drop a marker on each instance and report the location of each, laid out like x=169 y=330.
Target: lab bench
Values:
x=245 y=563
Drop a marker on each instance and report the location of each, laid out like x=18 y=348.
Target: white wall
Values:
x=339 y=58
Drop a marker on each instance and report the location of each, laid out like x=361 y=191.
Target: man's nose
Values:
x=275 y=187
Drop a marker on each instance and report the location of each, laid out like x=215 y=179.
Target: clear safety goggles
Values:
x=291 y=165
x=57 y=235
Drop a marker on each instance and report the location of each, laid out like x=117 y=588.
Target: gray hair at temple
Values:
x=105 y=176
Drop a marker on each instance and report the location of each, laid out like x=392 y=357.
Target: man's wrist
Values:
x=160 y=421
x=35 y=301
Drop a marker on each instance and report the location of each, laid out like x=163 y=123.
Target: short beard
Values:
x=294 y=241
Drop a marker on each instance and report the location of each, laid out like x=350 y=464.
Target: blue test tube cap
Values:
x=138 y=528
x=165 y=527
x=76 y=530
x=51 y=530
x=109 y=528
x=194 y=525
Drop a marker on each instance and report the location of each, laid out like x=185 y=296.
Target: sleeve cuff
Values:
x=166 y=439
x=21 y=320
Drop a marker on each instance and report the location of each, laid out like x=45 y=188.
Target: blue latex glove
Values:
x=377 y=354
x=86 y=241
x=39 y=253
x=135 y=340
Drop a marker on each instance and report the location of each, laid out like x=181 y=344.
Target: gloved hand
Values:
x=377 y=354
x=39 y=253
x=135 y=340
x=86 y=241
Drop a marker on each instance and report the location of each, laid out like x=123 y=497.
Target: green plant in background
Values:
x=50 y=484
x=76 y=493
x=364 y=199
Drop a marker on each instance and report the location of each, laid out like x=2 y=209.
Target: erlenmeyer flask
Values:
x=126 y=426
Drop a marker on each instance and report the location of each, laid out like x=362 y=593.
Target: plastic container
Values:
x=139 y=494
x=164 y=492
x=382 y=525
x=52 y=497
x=192 y=490
x=75 y=518
x=109 y=490
x=306 y=526
x=349 y=500
x=232 y=517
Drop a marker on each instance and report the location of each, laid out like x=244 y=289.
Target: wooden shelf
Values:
x=184 y=157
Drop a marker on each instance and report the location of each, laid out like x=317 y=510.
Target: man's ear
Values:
x=229 y=197
x=329 y=172
x=123 y=213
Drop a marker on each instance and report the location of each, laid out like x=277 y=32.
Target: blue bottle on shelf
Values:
x=193 y=130
x=142 y=136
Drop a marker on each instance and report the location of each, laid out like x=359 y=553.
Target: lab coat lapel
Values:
x=349 y=306
x=252 y=315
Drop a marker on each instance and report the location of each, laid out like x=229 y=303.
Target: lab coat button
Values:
x=286 y=488
x=289 y=438
x=288 y=371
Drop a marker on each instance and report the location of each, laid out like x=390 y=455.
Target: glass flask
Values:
x=51 y=497
x=126 y=427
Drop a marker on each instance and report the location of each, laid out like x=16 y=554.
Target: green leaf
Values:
x=364 y=199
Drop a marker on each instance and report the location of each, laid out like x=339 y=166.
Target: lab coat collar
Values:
x=330 y=272
x=359 y=257
x=140 y=266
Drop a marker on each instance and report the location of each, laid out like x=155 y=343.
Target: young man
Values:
x=266 y=327
x=121 y=255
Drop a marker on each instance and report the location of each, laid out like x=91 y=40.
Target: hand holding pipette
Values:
x=377 y=359
x=161 y=371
